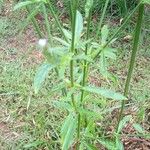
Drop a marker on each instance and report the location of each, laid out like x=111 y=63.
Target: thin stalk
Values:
x=85 y=70
x=73 y=47
x=73 y=24
x=56 y=19
x=35 y=24
x=102 y=18
x=133 y=56
x=47 y=24
x=86 y=52
x=118 y=30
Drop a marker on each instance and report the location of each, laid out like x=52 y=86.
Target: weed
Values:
x=67 y=68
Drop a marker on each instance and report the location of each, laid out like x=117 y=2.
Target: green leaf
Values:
x=63 y=105
x=104 y=34
x=146 y=1
x=103 y=65
x=138 y=128
x=64 y=43
x=123 y=123
x=90 y=146
x=64 y=62
x=67 y=131
x=41 y=75
x=110 y=53
x=88 y=6
x=23 y=4
x=83 y=57
x=108 y=144
x=68 y=34
x=90 y=113
x=119 y=144
x=33 y=144
x=79 y=26
x=105 y=93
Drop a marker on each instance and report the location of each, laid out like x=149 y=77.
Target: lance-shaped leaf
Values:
x=123 y=123
x=79 y=26
x=67 y=131
x=68 y=34
x=41 y=75
x=108 y=144
x=138 y=128
x=107 y=93
x=23 y=4
x=104 y=34
x=119 y=144
x=88 y=5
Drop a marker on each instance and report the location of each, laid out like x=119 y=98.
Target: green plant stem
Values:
x=74 y=5
x=35 y=24
x=56 y=20
x=73 y=48
x=85 y=69
x=118 y=30
x=133 y=57
x=48 y=28
x=102 y=18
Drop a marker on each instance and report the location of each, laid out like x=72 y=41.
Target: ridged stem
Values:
x=133 y=57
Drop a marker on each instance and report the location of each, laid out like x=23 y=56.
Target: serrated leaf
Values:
x=104 y=34
x=23 y=4
x=79 y=26
x=105 y=93
x=123 y=123
x=67 y=131
x=138 y=128
x=41 y=75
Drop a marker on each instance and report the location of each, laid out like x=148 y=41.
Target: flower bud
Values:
x=42 y=42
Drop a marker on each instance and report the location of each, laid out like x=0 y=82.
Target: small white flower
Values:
x=42 y=42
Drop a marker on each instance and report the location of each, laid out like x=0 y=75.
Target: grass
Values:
x=30 y=121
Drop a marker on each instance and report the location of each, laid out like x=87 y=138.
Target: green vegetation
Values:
x=64 y=92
